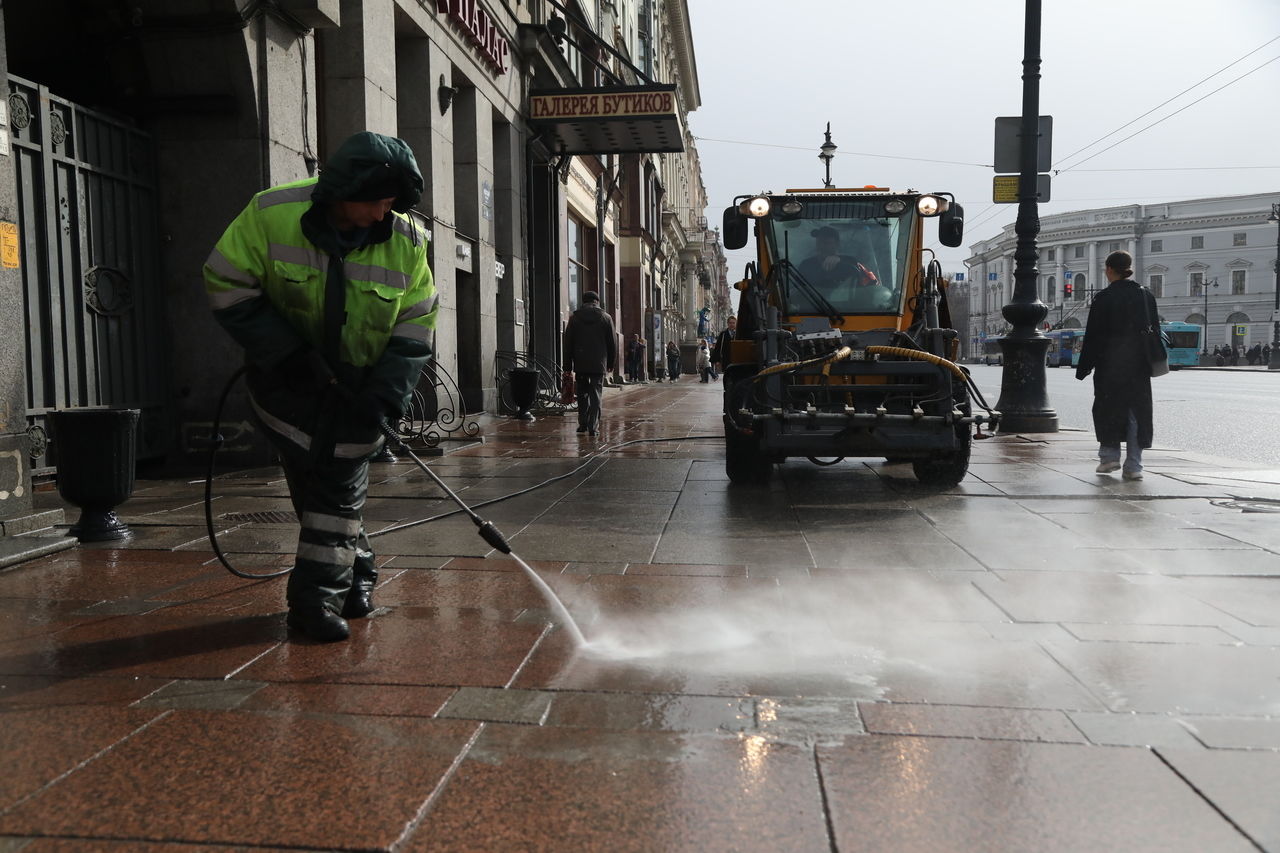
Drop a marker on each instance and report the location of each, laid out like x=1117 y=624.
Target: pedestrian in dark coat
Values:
x=720 y=352
x=590 y=351
x=673 y=361
x=1114 y=351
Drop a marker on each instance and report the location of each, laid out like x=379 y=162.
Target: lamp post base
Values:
x=1024 y=401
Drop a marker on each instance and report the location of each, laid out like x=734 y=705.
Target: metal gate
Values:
x=89 y=261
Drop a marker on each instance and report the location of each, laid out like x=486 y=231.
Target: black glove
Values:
x=305 y=371
x=369 y=410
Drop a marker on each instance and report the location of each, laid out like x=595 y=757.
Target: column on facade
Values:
x=476 y=292
x=359 y=71
x=1094 y=280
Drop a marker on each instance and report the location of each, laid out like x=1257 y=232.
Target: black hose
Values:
x=487 y=530
x=216 y=443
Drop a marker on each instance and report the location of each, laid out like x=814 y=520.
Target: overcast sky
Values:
x=925 y=79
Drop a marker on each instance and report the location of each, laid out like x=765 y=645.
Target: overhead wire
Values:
x=1170 y=100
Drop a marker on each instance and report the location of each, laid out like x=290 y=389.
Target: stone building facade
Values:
x=214 y=100
x=1213 y=254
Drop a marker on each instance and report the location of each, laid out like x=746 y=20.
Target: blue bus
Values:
x=1184 y=344
x=1064 y=347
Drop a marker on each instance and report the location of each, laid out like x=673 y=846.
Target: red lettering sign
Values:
x=478 y=26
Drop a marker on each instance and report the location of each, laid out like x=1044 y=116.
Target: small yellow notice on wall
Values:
x=9 y=256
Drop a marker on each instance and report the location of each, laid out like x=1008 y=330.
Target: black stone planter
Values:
x=96 y=457
x=524 y=390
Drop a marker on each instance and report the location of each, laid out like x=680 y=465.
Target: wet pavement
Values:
x=1039 y=659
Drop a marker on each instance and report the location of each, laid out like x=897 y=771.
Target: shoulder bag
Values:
x=1154 y=341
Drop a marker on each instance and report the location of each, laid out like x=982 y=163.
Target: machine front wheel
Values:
x=743 y=460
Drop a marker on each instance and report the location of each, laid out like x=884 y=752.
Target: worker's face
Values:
x=348 y=215
x=733 y=323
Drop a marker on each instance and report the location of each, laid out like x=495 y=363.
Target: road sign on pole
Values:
x=1008 y=157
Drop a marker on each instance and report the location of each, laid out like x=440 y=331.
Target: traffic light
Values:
x=1066 y=289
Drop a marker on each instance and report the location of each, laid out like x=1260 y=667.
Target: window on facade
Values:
x=1157 y=245
x=1237 y=281
x=1079 y=251
x=1156 y=284
x=1051 y=288
x=1078 y=286
x=1052 y=254
x=1113 y=247
x=1197 y=242
x=1197 y=284
x=1239 y=239
x=582 y=250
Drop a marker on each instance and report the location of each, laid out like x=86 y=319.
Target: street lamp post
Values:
x=1274 y=362
x=1024 y=398
x=825 y=152
x=1204 y=335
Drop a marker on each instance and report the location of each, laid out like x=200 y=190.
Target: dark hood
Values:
x=366 y=160
x=590 y=313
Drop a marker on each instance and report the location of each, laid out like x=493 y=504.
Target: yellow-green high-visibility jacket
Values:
x=266 y=284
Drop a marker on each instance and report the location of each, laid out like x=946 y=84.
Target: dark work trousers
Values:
x=333 y=551
x=590 y=387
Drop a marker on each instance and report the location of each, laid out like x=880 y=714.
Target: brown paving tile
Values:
x=157 y=644
x=32 y=617
x=407 y=646
x=86 y=579
x=738 y=571
x=40 y=745
x=524 y=788
x=81 y=845
x=503 y=564
x=234 y=778
x=38 y=691
x=969 y=721
x=1242 y=784
x=379 y=700
x=447 y=588
x=932 y=794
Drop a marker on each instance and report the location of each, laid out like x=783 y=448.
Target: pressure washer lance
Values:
x=492 y=536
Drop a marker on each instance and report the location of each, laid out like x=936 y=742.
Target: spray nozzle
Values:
x=494 y=537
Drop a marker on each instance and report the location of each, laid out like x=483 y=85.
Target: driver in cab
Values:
x=841 y=278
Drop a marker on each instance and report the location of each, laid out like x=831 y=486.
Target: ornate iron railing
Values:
x=549 y=373
x=436 y=411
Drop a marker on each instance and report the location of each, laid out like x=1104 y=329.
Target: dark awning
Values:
x=614 y=120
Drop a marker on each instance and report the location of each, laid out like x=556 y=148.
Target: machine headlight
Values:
x=791 y=208
x=895 y=206
x=930 y=205
x=755 y=207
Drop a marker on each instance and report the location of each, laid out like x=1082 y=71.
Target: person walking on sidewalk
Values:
x=1113 y=349
x=325 y=284
x=591 y=350
x=673 y=361
x=704 y=363
x=720 y=352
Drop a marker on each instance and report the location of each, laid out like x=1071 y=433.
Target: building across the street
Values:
x=1209 y=258
x=552 y=136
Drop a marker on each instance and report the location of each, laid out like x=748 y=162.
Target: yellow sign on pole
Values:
x=1004 y=189
x=10 y=258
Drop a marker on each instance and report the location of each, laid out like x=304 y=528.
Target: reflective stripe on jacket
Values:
x=264 y=253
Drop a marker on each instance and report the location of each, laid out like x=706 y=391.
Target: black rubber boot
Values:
x=359 y=602
x=318 y=623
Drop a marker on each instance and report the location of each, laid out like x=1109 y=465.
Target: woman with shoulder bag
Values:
x=1115 y=350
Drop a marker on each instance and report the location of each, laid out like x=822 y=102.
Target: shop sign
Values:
x=611 y=120
x=480 y=30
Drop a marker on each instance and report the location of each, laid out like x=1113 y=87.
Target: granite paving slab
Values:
x=1241 y=784
x=660 y=791
x=236 y=778
x=947 y=794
